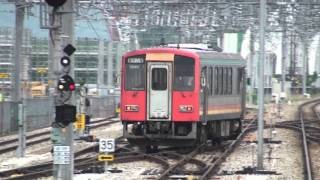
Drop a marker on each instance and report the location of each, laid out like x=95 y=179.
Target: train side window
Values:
x=229 y=81
x=240 y=79
x=159 y=79
x=216 y=90
x=225 y=83
x=220 y=83
x=211 y=80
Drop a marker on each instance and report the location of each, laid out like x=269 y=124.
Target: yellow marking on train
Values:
x=159 y=57
x=222 y=111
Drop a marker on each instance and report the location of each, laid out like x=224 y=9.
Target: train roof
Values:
x=207 y=56
x=220 y=58
x=210 y=57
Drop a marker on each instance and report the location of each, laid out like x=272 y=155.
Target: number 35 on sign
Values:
x=106 y=145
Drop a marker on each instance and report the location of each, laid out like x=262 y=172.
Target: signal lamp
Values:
x=72 y=87
x=65 y=61
x=55 y=3
x=66 y=83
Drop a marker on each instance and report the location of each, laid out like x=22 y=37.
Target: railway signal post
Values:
x=62 y=38
x=65 y=116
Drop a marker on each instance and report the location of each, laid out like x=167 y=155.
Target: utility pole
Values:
x=109 y=65
x=284 y=53
x=305 y=67
x=252 y=67
x=118 y=63
x=101 y=65
x=261 y=84
x=18 y=99
x=62 y=38
x=65 y=171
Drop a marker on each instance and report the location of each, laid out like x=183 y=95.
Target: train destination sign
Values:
x=135 y=60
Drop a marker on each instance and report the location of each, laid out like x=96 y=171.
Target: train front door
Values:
x=159 y=88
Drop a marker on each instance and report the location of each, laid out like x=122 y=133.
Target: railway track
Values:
x=11 y=144
x=207 y=167
x=46 y=169
x=126 y=154
x=307 y=158
x=309 y=127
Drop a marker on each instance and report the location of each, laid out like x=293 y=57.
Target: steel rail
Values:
x=15 y=139
x=307 y=159
x=190 y=155
x=14 y=147
x=42 y=168
x=213 y=166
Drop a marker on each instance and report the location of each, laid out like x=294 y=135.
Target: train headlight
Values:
x=131 y=108
x=186 y=108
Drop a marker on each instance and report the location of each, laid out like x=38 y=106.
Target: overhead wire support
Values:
x=284 y=52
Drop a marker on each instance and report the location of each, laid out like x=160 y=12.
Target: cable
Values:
x=92 y=27
x=54 y=11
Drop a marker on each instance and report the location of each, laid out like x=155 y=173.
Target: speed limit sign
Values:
x=106 y=145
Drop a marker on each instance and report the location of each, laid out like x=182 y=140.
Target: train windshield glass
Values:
x=159 y=79
x=135 y=74
x=183 y=73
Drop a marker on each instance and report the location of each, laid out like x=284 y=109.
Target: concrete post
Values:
x=251 y=67
x=109 y=67
x=118 y=63
x=304 y=68
x=100 y=75
x=261 y=84
x=17 y=97
x=65 y=170
x=284 y=57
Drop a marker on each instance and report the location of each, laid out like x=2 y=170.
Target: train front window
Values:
x=159 y=79
x=183 y=73
x=135 y=74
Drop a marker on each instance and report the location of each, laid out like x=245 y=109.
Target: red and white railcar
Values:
x=176 y=97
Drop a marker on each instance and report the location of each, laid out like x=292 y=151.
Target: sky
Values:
x=84 y=28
